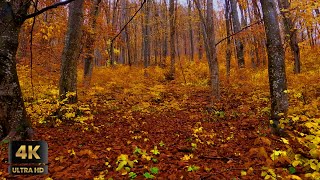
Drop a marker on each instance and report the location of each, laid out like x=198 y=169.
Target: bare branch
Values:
x=141 y=6
x=258 y=22
x=47 y=8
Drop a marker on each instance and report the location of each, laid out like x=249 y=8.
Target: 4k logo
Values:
x=32 y=152
x=28 y=157
x=28 y=152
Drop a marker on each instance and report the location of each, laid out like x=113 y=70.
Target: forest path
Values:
x=221 y=141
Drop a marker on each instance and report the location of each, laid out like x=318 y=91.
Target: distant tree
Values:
x=276 y=64
x=71 y=52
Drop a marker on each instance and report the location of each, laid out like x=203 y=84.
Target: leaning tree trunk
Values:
x=14 y=123
x=237 y=28
x=291 y=33
x=71 y=52
x=276 y=64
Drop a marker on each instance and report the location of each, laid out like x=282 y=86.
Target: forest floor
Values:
x=128 y=126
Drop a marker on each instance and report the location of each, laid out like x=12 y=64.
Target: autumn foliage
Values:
x=132 y=122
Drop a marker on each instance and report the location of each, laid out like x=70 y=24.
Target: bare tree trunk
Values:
x=146 y=35
x=228 y=28
x=172 y=41
x=291 y=33
x=200 y=48
x=276 y=64
x=190 y=31
x=125 y=48
x=237 y=28
x=209 y=38
x=165 y=34
x=88 y=61
x=71 y=52
x=14 y=123
x=114 y=26
x=254 y=52
x=244 y=22
x=135 y=51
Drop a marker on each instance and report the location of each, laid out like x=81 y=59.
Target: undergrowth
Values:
x=127 y=90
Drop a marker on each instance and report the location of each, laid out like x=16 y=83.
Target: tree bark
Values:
x=291 y=33
x=172 y=40
x=114 y=26
x=209 y=41
x=190 y=31
x=276 y=64
x=237 y=28
x=88 y=61
x=165 y=34
x=14 y=123
x=228 y=48
x=146 y=35
x=71 y=52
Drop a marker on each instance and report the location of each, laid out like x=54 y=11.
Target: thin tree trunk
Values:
x=276 y=64
x=209 y=38
x=114 y=26
x=291 y=33
x=172 y=40
x=228 y=48
x=146 y=35
x=237 y=28
x=165 y=34
x=190 y=31
x=71 y=52
x=200 y=48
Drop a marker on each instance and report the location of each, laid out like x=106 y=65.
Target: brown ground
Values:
x=219 y=154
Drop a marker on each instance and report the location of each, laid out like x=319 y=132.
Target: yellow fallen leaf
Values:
x=284 y=140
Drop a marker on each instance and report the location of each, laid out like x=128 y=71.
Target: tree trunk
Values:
x=291 y=33
x=190 y=32
x=125 y=47
x=71 y=52
x=209 y=41
x=165 y=34
x=228 y=48
x=237 y=28
x=200 y=48
x=172 y=41
x=88 y=61
x=244 y=22
x=14 y=123
x=114 y=26
x=276 y=64
x=146 y=35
